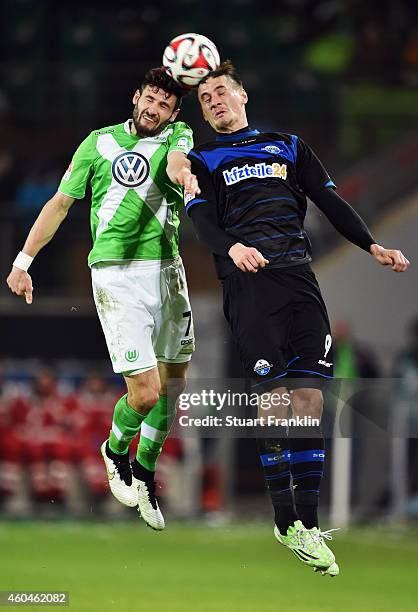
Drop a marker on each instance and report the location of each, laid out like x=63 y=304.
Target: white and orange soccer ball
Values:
x=189 y=58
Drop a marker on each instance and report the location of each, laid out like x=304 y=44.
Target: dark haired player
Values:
x=250 y=214
x=137 y=171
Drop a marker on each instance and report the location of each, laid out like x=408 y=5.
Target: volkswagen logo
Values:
x=130 y=169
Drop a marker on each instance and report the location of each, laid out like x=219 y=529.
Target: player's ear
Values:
x=244 y=96
x=174 y=115
x=136 y=97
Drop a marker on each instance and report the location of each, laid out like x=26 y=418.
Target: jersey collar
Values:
x=127 y=126
x=242 y=133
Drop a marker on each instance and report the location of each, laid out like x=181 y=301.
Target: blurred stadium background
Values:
x=343 y=74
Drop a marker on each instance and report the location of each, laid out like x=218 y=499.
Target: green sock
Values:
x=125 y=425
x=154 y=431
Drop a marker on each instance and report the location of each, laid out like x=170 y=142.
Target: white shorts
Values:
x=145 y=313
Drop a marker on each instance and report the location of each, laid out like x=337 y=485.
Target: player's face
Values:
x=223 y=104
x=153 y=110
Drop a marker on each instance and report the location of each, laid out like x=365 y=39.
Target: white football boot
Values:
x=143 y=481
x=119 y=474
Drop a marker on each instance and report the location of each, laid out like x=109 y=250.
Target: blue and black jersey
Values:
x=257 y=186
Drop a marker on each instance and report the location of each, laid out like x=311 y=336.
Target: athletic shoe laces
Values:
x=320 y=535
x=298 y=538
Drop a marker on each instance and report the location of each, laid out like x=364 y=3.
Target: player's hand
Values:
x=390 y=257
x=247 y=259
x=187 y=180
x=20 y=283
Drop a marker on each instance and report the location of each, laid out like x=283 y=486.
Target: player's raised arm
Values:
x=321 y=190
x=350 y=225
x=179 y=171
x=42 y=231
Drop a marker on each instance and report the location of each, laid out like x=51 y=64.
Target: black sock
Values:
x=140 y=472
x=274 y=457
x=307 y=456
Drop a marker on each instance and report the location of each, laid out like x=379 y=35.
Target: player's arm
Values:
x=179 y=172
x=203 y=212
x=178 y=165
x=318 y=186
x=42 y=231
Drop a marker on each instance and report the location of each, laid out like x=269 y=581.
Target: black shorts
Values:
x=280 y=324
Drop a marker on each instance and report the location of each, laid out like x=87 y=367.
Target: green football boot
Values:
x=333 y=570
x=307 y=545
x=319 y=536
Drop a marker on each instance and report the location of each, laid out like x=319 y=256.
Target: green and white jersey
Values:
x=135 y=207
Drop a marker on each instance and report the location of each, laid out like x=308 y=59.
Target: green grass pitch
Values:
x=192 y=568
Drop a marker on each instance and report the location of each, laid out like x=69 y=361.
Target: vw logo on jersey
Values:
x=262 y=367
x=130 y=169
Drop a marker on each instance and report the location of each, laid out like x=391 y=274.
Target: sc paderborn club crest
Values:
x=130 y=169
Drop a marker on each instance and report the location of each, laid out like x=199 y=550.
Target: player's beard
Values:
x=145 y=132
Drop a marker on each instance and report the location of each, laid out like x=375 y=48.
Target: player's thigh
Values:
x=126 y=318
x=310 y=336
x=260 y=318
x=174 y=333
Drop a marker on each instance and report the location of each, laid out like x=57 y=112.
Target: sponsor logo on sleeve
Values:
x=183 y=143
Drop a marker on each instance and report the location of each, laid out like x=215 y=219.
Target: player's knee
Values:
x=307 y=402
x=174 y=387
x=175 y=380
x=143 y=398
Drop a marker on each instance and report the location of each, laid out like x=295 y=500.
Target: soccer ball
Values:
x=189 y=58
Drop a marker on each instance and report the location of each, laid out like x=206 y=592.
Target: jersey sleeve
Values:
x=182 y=138
x=316 y=183
x=203 y=209
x=310 y=172
x=76 y=177
x=207 y=193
